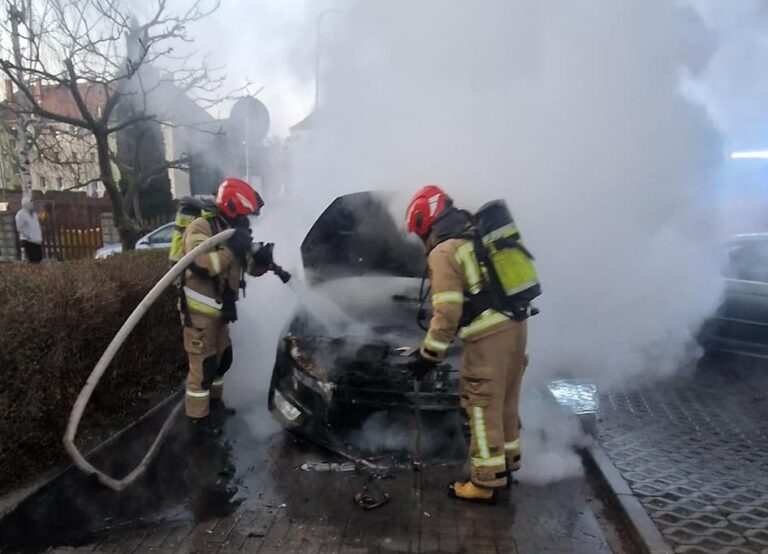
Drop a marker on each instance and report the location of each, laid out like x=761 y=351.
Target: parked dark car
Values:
x=740 y=325
x=338 y=361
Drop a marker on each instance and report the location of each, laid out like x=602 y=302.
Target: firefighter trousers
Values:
x=209 y=351
x=489 y=387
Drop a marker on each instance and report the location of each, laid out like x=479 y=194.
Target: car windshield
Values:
x=162 y=235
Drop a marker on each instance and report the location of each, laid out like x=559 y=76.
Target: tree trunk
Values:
x=137 y=208
x=126 y=227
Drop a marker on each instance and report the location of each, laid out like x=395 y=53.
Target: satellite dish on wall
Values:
x=249 y=120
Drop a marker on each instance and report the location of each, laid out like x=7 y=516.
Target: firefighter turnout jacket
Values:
x=492 y=365
x=456 y=275
x=211 y=277
x=211 y=273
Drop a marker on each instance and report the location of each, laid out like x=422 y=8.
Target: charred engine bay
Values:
x=365 y=373
x=341 y=377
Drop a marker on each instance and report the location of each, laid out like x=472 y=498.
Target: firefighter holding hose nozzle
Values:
x=482 y=283
x=209 y=288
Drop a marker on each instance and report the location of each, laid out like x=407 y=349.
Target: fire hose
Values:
x=101 y=366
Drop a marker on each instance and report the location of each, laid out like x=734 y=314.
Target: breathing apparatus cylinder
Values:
x=511 y=261
x=190 y=208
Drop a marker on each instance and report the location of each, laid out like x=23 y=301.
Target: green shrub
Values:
x=55 y=323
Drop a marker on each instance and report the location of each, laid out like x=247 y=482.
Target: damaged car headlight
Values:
x=305 y=371
x=288 y=410
x=302 y=361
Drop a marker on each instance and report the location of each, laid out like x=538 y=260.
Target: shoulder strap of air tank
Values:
x=464 y=233
x=494 y=283
x=424 y=289
x=496 y=293
x=215 y=226
x=514 y=242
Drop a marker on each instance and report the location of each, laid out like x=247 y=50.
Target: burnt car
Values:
x=341 y=357
x=740 y=325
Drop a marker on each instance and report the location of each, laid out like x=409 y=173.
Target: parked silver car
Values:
x=740 y=325
x=159 y=238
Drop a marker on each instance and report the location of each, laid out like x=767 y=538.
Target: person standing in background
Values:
x=30 y=231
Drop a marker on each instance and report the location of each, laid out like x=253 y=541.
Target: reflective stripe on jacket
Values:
x=212 y=272
x=455 y=274
x=201 y=303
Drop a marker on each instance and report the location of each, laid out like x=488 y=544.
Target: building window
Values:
x=59 y=183
x=42 y=183
x=92 y=157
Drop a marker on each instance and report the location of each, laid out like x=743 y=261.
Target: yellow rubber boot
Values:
x=467 y=490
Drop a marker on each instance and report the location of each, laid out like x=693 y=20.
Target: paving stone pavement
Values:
x=252 y=496
x=694 y=450
x=318 y=516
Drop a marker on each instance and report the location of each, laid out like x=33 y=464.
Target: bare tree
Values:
x=118 y=72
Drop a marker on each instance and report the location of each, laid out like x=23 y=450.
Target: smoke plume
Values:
x=574 y=114
x=584 y=117
x=733 y=88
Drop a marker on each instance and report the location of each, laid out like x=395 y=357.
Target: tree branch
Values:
x=36 y=108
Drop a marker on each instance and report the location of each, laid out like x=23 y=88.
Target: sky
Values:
x=270 y=43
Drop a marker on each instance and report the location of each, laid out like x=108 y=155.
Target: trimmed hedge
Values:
x=55 y=322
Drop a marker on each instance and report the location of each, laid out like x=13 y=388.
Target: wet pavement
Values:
x=694 y=451
x=247 y=493
x=296 y=511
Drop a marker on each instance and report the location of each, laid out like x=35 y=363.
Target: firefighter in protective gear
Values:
x=494 y=344
x=210 y=289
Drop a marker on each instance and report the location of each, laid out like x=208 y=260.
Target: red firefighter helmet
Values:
x=425 y=207
x=236 y=197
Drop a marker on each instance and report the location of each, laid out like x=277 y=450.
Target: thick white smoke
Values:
x=269 y=43
x=733 y=87
x=573 y=113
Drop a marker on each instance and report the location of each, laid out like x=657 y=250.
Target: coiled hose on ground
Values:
x=85 y=394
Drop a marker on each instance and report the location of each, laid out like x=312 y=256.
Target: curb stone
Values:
x=641 y=526
x=643 y=531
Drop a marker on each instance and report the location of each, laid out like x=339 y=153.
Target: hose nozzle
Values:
x=280 y=272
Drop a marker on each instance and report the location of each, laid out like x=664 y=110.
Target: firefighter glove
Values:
x=240 y=242
x=262 y=254
x=420 y=367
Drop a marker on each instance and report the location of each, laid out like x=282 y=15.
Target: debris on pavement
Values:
x=328 y=467
x=371 y=496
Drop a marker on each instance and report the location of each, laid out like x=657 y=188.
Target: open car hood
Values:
x=357 y=235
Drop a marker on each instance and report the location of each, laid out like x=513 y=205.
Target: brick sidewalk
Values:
x=285 y=509
x=694 y=451
x=318 y=516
